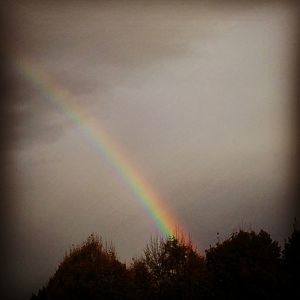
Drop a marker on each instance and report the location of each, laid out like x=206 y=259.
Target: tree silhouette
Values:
x=174 y=269
x=141 y=280
x=291 y=263
x=245 y=266
x=89 y=271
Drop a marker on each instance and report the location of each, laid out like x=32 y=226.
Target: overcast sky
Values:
x=197 y=96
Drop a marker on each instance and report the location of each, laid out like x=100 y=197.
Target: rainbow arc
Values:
x=154 y=205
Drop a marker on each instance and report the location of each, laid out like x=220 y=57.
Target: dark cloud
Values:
x=88 y=50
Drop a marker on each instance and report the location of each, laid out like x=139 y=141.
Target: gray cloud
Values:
x=196 y=96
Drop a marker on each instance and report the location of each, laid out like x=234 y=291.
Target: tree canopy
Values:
x=247 y=265
x=89 y=271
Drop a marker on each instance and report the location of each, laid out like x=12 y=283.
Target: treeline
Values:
x=248 y=265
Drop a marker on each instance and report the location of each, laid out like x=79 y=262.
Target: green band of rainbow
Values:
x=66 y=102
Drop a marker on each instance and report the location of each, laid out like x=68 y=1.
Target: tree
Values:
x=141 y=280
x=88 y=271
x=291 y=263
x=173 y=268
x=245 y=266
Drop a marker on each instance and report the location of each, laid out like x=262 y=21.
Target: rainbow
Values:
x=166 y=223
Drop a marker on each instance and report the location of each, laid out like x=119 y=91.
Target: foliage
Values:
x=89 y=271
x=173 y=268
x=247 y=265
x=291 y=263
